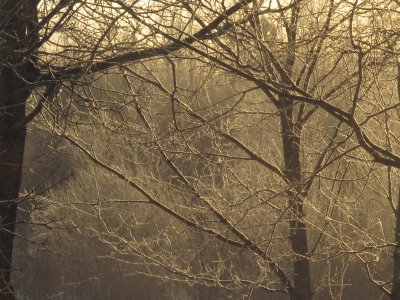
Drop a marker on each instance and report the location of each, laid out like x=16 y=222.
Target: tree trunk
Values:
x=16 y=71
x=298 y=229
x=396 y=257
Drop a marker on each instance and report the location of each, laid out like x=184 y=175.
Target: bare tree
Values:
x=287 y=119
x=18 y=72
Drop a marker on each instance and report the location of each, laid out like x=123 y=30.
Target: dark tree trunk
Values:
x=396 y=257
x=11 y=154
x=298 y=230
x=17 y=69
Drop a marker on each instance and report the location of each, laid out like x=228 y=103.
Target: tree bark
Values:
x=298 y=229
x=16 y=72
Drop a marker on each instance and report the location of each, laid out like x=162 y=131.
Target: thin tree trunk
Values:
x=16 y=71
x=291 y=150
x=298 y=229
